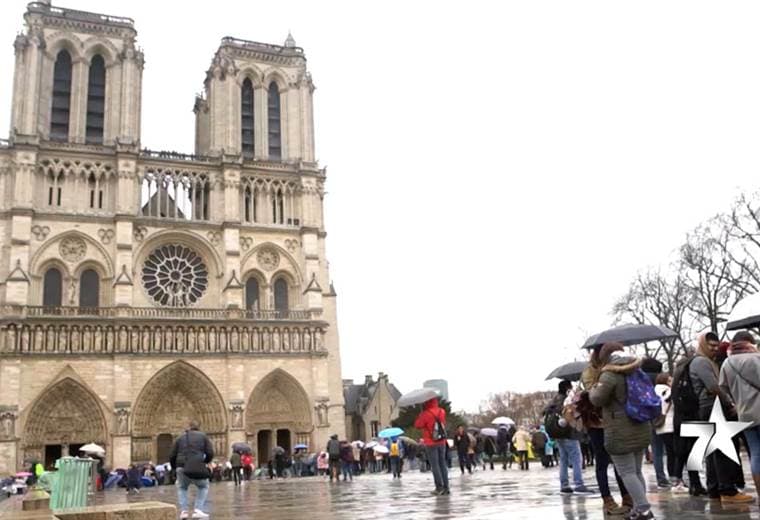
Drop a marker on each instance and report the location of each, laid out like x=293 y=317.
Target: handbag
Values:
x=659 y=422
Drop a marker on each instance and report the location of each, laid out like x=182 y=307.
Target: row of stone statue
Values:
x=60 y=339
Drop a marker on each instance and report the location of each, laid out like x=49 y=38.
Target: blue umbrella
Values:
x=390 y=432
x=301 y=446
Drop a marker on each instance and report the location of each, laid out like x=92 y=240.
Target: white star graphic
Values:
x=717 y=434
x=724 y=432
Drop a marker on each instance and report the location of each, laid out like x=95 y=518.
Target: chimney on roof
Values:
x=368 y=380
x=381 y=376
x=348 y=382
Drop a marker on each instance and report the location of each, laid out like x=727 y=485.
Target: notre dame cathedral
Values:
x=140 y=288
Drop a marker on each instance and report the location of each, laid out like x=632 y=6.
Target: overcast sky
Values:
x=497 y=171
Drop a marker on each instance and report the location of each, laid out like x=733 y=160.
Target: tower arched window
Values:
x=89 y=288
x=281 y=295
x=52 y=288
x=252 y=294
x=246 y=118
x=95 y=192
x=273 y=119
x=278 y=207
x=96 y=100
x=59 y=117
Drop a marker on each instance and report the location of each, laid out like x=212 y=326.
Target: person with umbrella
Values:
x=333 y=451
x=432 y=422
x=236 y=464
x=489 y=446
x=504 y=445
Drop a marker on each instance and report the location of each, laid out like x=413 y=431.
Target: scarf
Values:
x=742 y=347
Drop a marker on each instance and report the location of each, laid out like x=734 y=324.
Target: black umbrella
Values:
x=631 y=334
x=569 y=371
x=241 y=447
x=746 y=314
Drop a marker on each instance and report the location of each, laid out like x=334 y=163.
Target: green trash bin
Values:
x=71 y=484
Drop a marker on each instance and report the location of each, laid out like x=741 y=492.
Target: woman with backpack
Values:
x=624 y=439
x=592 y=421
x=432 y=422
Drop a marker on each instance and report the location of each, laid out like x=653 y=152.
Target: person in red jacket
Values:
x=432 y=422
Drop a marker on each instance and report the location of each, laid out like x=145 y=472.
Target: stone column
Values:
x=78 y=111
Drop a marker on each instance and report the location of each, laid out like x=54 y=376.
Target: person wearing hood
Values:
x=740 y=378
x=624 y=439
x=704 y=373
x=432 y=422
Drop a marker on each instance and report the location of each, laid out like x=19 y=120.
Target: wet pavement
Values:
x=488 y=494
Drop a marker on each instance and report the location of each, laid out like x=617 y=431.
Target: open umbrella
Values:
x=357 y=444
x=390 y=432
x=93 y=449
x=301 y=447
x=417 y=396
x=569 y=371
x=408 y=440
x=503 y=420
x=380 y=449
x=489 y=432
x=241 y=447
x=746 y=314
x=371 y=444
x=473 y=429
x=630 y=334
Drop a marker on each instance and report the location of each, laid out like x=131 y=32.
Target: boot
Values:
x=612 y=509
x=627 y=503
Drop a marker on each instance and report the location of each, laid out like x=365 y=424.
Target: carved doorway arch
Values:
x=175 y=395
x=277 y=405
x=66 y=413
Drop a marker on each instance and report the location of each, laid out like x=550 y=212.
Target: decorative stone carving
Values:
x=106 y=235
x=72 y=249
x=292 y=244
x=174 y=275
x=246 y=243
x=40 y=232
x=236 y=416
x=322 y=407
x=122 y=421
x=139 y=233
x=268 y=258
x=215 y=237
x=7 y=425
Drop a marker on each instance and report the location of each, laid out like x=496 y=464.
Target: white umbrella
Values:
x=371 y=444
x=417 y=396
x=489 y=432
x=93 y=449
x=746 y=314
x=503 y=420
x=381 y=449
x=357 y=444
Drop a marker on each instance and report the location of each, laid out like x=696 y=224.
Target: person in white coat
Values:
x=663 y=442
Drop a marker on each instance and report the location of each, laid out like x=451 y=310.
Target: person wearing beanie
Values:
x=740 y=378
x=624 y=439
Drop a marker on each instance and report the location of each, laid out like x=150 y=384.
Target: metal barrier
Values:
x=72 y=483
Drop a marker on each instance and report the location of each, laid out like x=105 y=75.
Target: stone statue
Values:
x=25 y=339
x=98 y=340
x=237 y=417
x=8 y=425
x=122 y=421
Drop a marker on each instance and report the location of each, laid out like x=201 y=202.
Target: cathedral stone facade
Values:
x=140 y=289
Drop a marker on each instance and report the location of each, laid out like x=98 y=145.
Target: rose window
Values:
x=175 y=276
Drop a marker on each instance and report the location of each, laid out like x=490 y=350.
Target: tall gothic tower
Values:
x=140 y=289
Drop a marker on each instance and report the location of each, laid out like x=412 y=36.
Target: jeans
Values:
x=752 y=436
x=436 y=455
x=464 y=461
x=347 y=470
x=629 y=467
x=236 y=475
x=396 y=466
x=662 y=446
x=596 y=435
x=298 y=468
x=506 y=456
x=570 y=453
x=183 y=483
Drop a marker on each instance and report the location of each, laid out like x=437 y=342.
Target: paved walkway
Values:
x=484 y=495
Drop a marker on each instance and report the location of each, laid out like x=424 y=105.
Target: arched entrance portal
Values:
x=172 y=397
x=62 y=419
x=278 y=414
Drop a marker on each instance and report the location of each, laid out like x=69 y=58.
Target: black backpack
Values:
x=553 y=427
x=683 y=395
x=502 y=438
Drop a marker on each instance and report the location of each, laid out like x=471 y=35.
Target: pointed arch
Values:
x=174 y=395
x=67 y=412
x=278 y=402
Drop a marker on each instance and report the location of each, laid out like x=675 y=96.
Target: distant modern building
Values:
x=439 y=384
x=370 y=406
